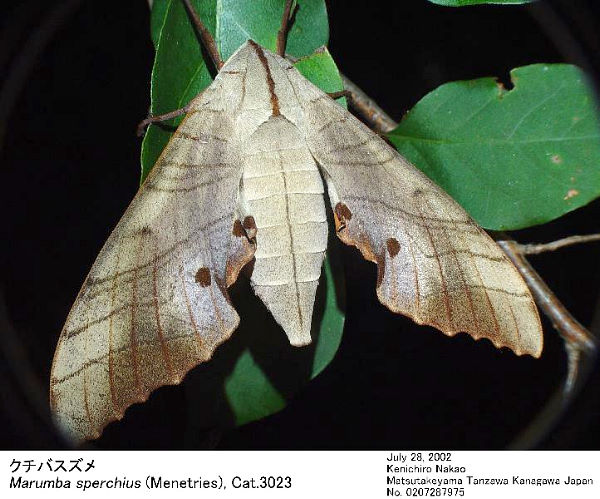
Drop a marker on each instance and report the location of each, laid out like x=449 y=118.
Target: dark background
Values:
x=70 y=165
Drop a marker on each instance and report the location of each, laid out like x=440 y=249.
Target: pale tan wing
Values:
x=155 y=302
x=435 y=264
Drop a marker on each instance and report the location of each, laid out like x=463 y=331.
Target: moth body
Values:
x=282 y=190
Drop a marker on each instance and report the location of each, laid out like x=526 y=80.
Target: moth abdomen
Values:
x=283 y=192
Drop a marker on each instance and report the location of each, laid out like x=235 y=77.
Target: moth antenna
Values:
x=282 y=33
x=205 y=35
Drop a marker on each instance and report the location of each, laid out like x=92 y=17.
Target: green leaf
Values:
x=320 y=69
x=512 y=158
x=250 y=392
x=254 y=373
x=179 y=72
x=464 y=3
x=238 y=20
x=157 y=17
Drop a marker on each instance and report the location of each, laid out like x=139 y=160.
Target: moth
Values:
x=242 y=182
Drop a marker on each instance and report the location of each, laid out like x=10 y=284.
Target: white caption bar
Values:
x=294 y=474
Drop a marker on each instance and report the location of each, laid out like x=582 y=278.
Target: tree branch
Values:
x=282 y=33
x=572 y=332
x=205 y=35
x=377 y=118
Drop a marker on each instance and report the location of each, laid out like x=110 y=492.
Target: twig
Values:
x=580 y=346
x=205 y=35
x=535 y=249
x=282 y=33
x=568 y=327
x=379 y=120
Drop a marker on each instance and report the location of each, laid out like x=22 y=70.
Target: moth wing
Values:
x=155 y=302
x=435 y=264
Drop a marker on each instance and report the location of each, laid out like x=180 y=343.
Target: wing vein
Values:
x=416 y=273
x=85 y=387
x=442 y=277
x=163 y=344
x=133 y=325
x=512 y=313
x=462 y=278
x=111 y=373
x=189 y=310
x=168 y=251
x=489 y=301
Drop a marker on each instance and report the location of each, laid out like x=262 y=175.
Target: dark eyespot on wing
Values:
x=250 y=226
x=393 y=246
x=203 y=277
x=343 y=212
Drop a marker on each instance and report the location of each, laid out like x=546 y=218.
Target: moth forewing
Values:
x=155 y=302
x=435 y=264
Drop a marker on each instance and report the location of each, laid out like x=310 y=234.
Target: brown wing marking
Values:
x=442 y=261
